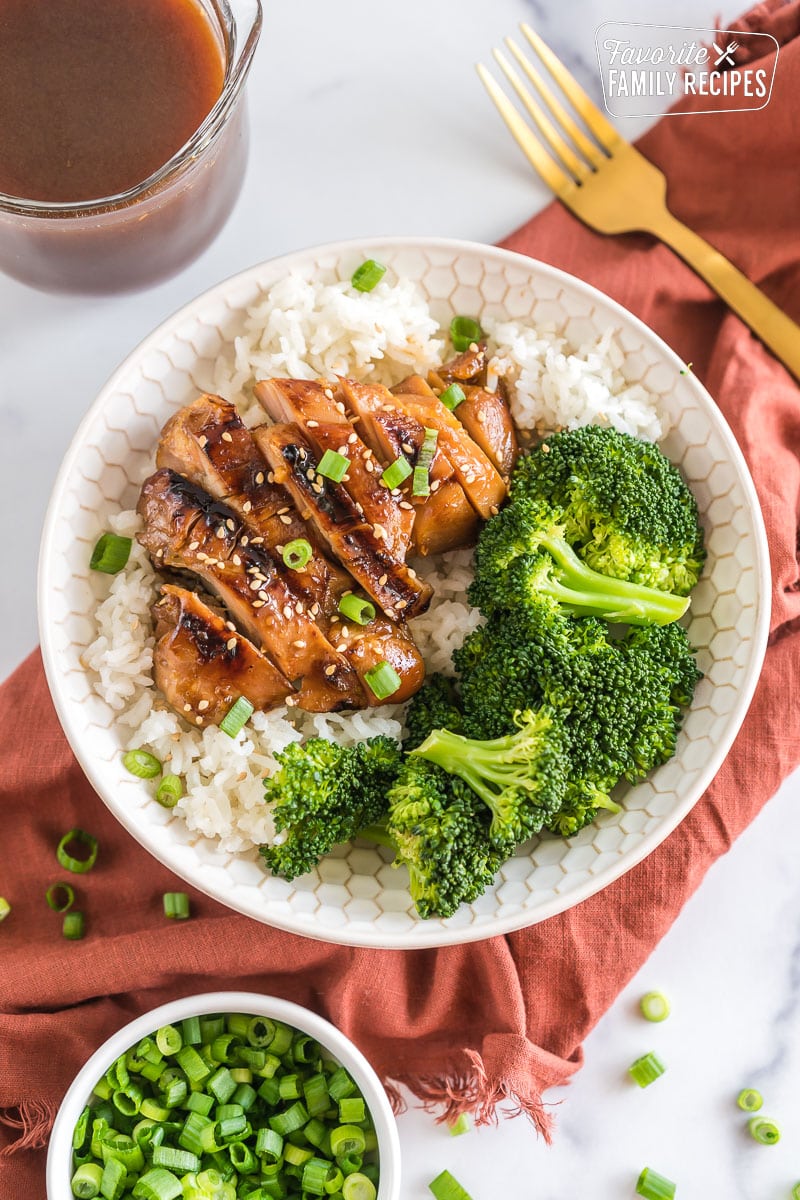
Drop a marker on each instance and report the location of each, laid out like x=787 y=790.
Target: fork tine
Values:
x=530 y=145
x=567 y=122
x=602 y=129
x=555 y=141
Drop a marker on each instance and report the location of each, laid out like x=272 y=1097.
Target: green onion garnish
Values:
x=394 y=475
x=452 y=396
x=296 y=554
x=646 y=1069
x=158 y=1184
x=446 y=1187
x=169 y=791
x=764 y=1131
x=86 y=1181
x=142 y=764
x=462 y=1124
x=72 y=928
x=464 y=331
x=749 y=1100
x=654 y=1006
x=60 y=897
x=333 y=466
x=796 y=1192
x=365 y=277
x=78 y=865
x=383 y=680
x=176 y=905
x=358 y=1187
x=236 y=717
x=356 y=609
x=111 y=553
x=5 y=908
x=653 y=1186
x=169 y=1040
x=420 y=485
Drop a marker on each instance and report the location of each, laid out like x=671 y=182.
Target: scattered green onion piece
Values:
x=175 y=1160
x=154 y=1111
x=316 y=1174
x=142 y=764
x=428 y=447
x=289 y=1087
x=347 y=1139
x=654 y=1006
x=383 y=680
x=79 y=866
x=350 y=1163
x=653 y=1186
x=336 y=1181
x=245 y=1095
x=296 y=554
x=291 y=1119
x=462 y=1124
x=315 y=1094
x=86 y=1181
x=157 y=1184
x=73 y=926
x=128 y=1099
x=5 y=908
x=111 y=553
x=396 y=473
x=296 y=1155
x=333 y=466
x=176 y=905
x=169 y=791
x=112 y=1184
x=446 y=1187
x=356 y=609
x=80 y=1133
x=305 y=1049
x=421 y=484
x=368 y=275
x=360 y=1187
x=351 y=1110
x=122 y=1147
x=765 y=1132
x=269 y=1144
x=190 y=1031
x=749 y=1100
x=340 y=1085
x=796 y=1192
x=222 y=1085
x=174 y=1093
x=60 y=897
x=646 y=1070
x=236 y=717
x=242 y=1157
x=452 y=396
x=169 y=1040
x=463 y=332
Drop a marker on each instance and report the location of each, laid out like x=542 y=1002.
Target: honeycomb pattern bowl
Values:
x=356 y=897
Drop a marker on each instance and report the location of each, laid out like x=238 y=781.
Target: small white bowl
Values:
x=59 y=1152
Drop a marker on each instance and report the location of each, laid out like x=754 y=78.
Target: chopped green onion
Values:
x=394 y=475
x=646 y=1069
x=428 y=447
x=142 y=764
x=60 y=897
x=111 y=553
x=462 y=1124
x=796 y=1192
x=452 y=396
x=464 y=331
x=296 y=1155
x=351 y=1110
x=356 y=609
x=77 y=865
x=749 y=1100
x=654 y=1006
x=176 y=1160
x=296 y=554
x=421 y=484
x=340 y=1085
x=169 y=1040
x=359 y=1187
x=176 y=905
x=333 y=466
x=237 y=716
x=112 y=1185
x=383 y=680
x=72 y=927
x=5 y=908
x=86 y=1181
x=317 y=1172
x=446 y=1187
x=190 y=1030
x=653 y=1186
x=764 y=1131
x=347 y=1139
x=169 y=791
x=365 y=277
x=158 y=1184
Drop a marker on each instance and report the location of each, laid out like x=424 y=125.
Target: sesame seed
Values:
x=436 y=485
x=187 y=708
x=231 y=524
x=342 y=449
x=329 y=393
x=312 y=424
x=254 y=585
x=257 y=541
x=545 y=448
x=315 y=608
x=260 y=478
x=259 y=603
x=395 y=491
x=342 y=646
x=279 y=549
x=287 y=612
x=221 y=531
x=412 y=572
x=380 y=532
x=383 y=579
x=368 y=466
x=231 y=643
x=345 y=631
x=271 y=476
x=198 y=720
x=409 y=449
x=299 y=644
x=202 y=557
x=203 y=705
x=237 y=562
x=244 y=539
x=494 y=510
x=310 y=473
x=286 y=520
x=339 y=406
x=226 y=437
x=202 y=442
x=291 y=701
x=345 y=479
x=248 y=504
x=359 y=508
x=473 y=347
x=390 y=612
x=315 y=487
x=159 y=553
x=193 y=545
x=299 y=608
x=353 y=439
x=286 y=508
x=401 y=604
x=331 y=670
x=405 y=504
x=230 y=625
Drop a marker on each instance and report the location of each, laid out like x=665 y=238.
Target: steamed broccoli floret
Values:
x=520 y=777
x=433 y=707
x=522 y=554
x=439 y=830
x=324 y=794
x=625 y=508
x=581 y=803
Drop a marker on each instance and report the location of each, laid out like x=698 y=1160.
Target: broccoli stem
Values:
x=588 y=593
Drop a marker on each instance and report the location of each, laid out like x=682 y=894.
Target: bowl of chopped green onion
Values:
x=225 y=1096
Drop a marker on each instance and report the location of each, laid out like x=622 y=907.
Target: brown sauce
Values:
x=96 y=95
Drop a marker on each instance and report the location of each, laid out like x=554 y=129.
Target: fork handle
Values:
x=767 y=321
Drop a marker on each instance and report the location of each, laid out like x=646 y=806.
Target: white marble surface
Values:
x=367 y=118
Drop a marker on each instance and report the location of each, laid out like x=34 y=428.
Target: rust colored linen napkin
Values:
x=464 y=1026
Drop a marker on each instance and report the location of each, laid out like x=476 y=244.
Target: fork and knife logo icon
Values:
x=725 y=56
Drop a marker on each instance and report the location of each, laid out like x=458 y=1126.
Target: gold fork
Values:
x=613 y=188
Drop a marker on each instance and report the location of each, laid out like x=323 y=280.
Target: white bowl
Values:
x=355 y=897
x=59 y=1153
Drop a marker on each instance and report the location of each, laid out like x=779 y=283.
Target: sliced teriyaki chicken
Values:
x=203 y=665
x=184 y=528
x=322 y=418
x=366 y=646
x=444 y=519
x=329 y=507
x=207 y=442
x=469 y=367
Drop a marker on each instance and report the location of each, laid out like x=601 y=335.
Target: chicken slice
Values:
x=333 y=513
x=314 y=408
x=202 y=665
x=185 y=528
x=469 y=367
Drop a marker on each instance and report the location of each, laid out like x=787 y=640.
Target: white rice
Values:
x=305 y=329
